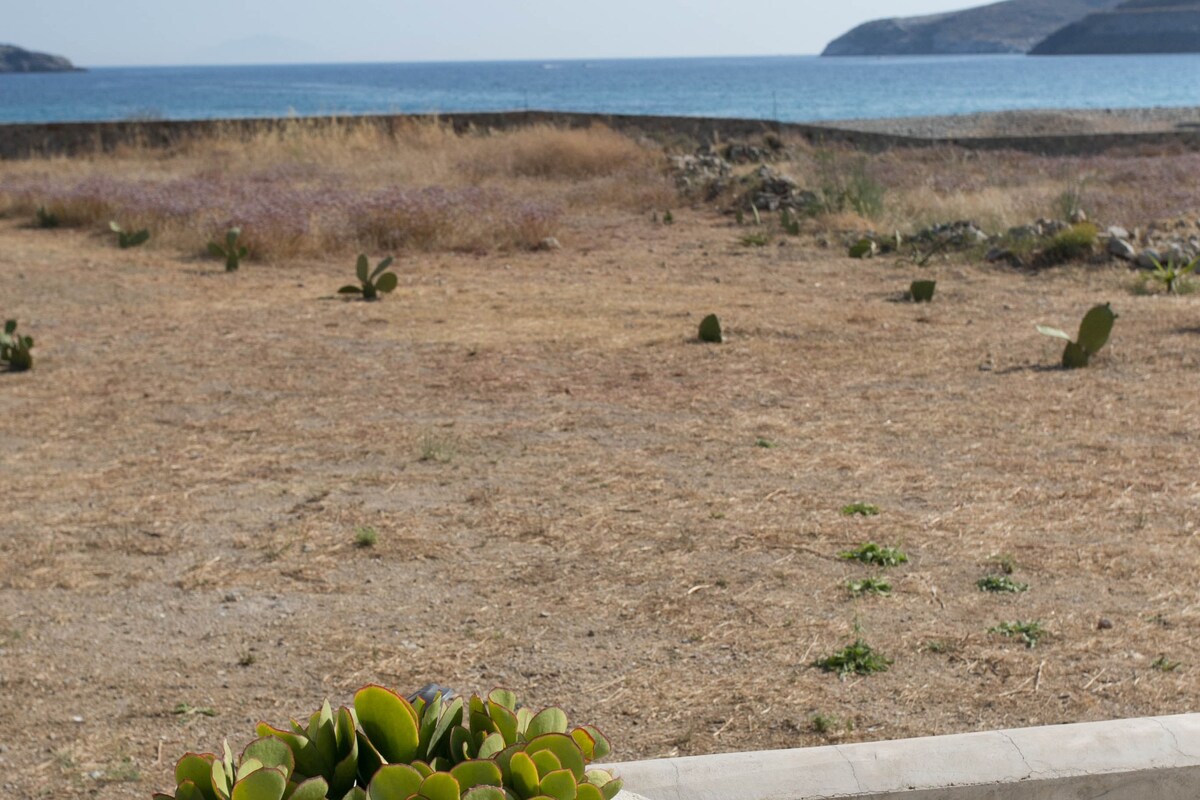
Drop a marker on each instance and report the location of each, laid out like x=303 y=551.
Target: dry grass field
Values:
x=570 y=496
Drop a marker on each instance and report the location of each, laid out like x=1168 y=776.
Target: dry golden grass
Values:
x=305 y=188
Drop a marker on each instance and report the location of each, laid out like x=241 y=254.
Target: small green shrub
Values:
x=877 y=586
x=789 y=224
x=373 y=283
x=871 y=553
x=765 y=444
x=389 y=747
x=826 y=724
x=14 y=348
x=855 y=659
x=1004 y=562
x=1164 y=664
x=847 y=186
x=1071 y=244
x=860 y=510
x=863 y=248
x=127 y=239
x=668 y=218
x=760 y=239
x=1029 y=632
x=365 y=537
x=46 y=219
x=710 y=330
x=1001 y=584
x=231 y=251
x=1094 y=331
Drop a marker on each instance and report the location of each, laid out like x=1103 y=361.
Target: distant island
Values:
x=15 y=59
x=1014 y=26
x=1137 y=26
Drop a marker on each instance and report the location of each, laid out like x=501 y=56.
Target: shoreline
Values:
x=1042 y=131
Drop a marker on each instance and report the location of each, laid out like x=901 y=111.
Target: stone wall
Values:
x=29 y=140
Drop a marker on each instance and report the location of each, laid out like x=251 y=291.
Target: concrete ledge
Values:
x=1155 y=758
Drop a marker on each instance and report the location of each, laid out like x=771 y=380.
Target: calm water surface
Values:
x=802 y=88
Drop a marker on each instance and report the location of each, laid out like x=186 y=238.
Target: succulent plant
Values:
x=231 y=251
x=14 y=348
x=435 y=747
x=127 y=239
x=710 y=330
x=46 y=219
x=327 y=748
x=265 y=771
x=922 y=291
x=1171 y=274
x=789 y=224
x=863 y=248
x=1093 y=335
x=373 y=283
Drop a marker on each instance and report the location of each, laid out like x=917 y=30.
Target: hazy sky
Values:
x=134 y=32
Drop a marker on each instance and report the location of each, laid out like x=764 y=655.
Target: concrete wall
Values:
x=26 y=140
x=1141 y=759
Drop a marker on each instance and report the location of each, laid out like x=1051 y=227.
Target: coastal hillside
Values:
x=1013 y=26
x=15 y=59
x=1138 y=26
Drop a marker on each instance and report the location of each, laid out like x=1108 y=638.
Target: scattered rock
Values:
x=1121 y=249
x=1104 y=624
x=1117 y=232
x=549 y=243
x=1149 y=259
x=1078 y=216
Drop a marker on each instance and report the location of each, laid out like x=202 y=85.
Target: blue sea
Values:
x=795 y=89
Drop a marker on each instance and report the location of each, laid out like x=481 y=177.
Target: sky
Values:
x=170 y=32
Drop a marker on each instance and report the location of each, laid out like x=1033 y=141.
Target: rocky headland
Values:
x=16 y=59
x=1014 y=26
x=1138 y=26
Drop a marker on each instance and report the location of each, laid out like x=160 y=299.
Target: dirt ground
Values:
x=571 y=497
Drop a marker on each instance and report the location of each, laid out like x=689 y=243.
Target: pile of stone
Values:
x=704 y=174
x=768 y=190
x=1175 y=241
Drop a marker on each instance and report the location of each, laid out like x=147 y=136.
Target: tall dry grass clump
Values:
x=308 y=187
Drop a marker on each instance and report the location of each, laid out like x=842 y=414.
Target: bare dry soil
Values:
x=575 y=499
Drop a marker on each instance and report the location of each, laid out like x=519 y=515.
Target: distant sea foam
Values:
x=797 y=89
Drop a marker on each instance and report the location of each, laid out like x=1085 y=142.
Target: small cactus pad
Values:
x=922 y=291
x=710 y=330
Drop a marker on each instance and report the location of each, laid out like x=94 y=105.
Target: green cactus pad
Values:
x=863 y=248
x=710 y=330
x=1095 y=329
x=922 y=291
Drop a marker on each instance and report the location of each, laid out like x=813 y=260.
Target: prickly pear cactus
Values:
x=14 y=348
x=710 y=330
x=863 y=248
x=922 y=291
x=1094 y=331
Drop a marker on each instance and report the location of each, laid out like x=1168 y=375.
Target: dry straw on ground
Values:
x=571 y=496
